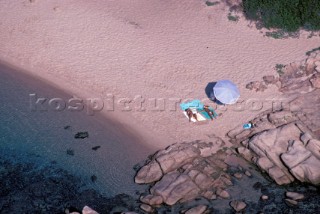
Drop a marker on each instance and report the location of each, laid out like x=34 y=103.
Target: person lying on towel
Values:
x=191 y=113
x=210 y=113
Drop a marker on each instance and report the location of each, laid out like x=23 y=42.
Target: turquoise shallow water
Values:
x=50 y=134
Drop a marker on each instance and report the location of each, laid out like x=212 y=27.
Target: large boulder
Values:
x=281 y=117
x=313 y=146
x=174 y=187
x=174 y=158
x=279 y=176
x=270 y=145
x=193 y=172
x=302 y=163
x=289 y=150
x=315 y=80
x=307 y=107
x=149 y=173
x=152 y=199
x=245 y=153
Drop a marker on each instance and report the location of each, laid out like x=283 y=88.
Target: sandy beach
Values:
x=160 y=51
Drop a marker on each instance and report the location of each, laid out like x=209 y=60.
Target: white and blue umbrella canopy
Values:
x=226 y=92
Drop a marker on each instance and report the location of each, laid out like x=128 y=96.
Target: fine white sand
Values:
x=154 y=48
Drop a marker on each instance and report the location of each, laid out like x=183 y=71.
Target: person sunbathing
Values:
x=191 y=114
x=210 y=113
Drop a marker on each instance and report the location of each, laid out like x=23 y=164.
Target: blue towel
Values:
x=206 y=115
x=197 y=104
x=192 y=104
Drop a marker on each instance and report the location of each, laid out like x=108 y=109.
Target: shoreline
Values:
x=111 y=55
x=45 y=134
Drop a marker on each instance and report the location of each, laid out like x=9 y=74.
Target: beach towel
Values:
x=197 y=104
x=197 y=107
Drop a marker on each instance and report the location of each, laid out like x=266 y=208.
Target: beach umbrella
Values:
x=226 y=92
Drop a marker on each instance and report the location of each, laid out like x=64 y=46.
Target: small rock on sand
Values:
x=270 y=79
x=238 y=205
x=256 y=86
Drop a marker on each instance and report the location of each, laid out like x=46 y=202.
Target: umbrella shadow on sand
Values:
x=209 y=92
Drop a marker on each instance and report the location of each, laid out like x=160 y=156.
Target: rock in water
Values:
x=223 y=194
x=237 y=175
x=200 y=209
x=294 y=195
x=238 y=205
x=81 y=135
x=70 y=152
x=247 y=173
x=149 y=173
x=291 y=202
x=146 y=207
x=95 y=148
x=94 y=178
x=88 y=210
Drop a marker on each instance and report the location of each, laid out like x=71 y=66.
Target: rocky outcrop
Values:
x=189 y=170
x=284 y=143
x=306 y=108
x=256 y=86
x=297 y=77
x=284 y=152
